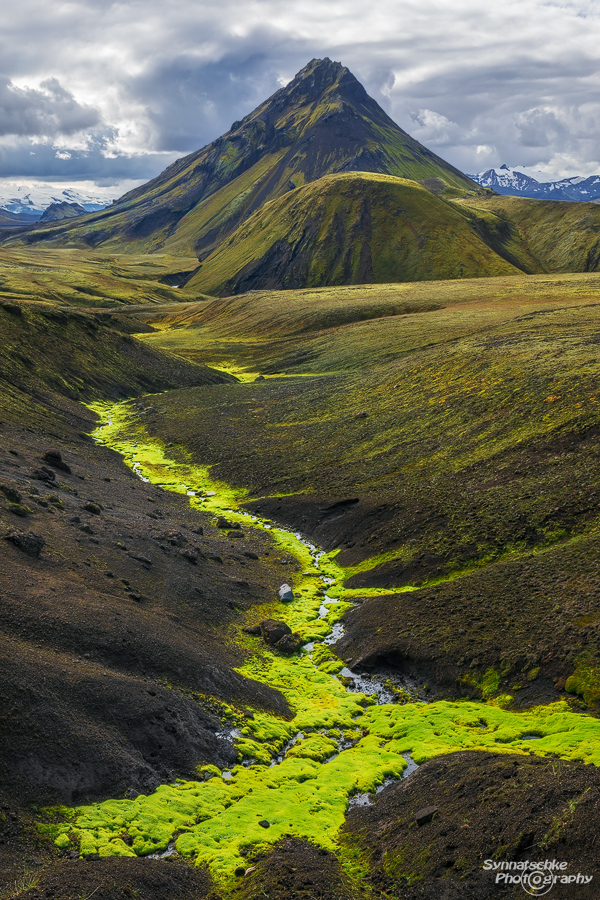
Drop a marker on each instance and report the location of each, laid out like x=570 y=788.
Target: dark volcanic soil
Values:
x=120 y=605
x=296 y=870
x=113 y=637
x=498 y=807
x=121 y=879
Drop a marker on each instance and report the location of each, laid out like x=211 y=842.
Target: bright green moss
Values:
x=306 y=795
x=485 y=683
x=325 y=659
x=62 y=841
x=585 y=681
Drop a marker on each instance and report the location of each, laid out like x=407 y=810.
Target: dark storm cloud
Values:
x=49 y=111
x=190 y=101
x=21 y=159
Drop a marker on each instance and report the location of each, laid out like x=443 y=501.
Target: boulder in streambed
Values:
x=272 y=630
x=277 y=634
x=222 y=522
x=285 y=593
x=289 y=643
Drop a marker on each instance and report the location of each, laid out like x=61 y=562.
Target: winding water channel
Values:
x=352 y=733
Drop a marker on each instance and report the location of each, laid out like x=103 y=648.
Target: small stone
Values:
x=214 y=556
x=285 y=593
x=44 y=474
x=19 y=509
x=142 y=559
x=54 y=458
x=30 y=543
x=94 y=508
x=222 y=522
x=190 y=556
x=362 y=415
x=250 y=555
x=260 y=378
x=10 y=493
x=425 y=815
x=289 y=643
x=252 y=629
x=264 y=824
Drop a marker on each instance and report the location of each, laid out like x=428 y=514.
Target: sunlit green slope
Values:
x=348 y=229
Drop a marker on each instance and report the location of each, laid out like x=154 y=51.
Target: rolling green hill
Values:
x=322 y=122
x=354 y=228
x=546 y=235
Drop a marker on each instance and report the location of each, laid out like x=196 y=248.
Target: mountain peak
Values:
x=322 y=122
x=321 y=74
x=320 y=80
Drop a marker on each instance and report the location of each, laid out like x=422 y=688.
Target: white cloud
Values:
x=133 y=83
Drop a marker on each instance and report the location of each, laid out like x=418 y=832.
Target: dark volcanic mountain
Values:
x=323 y=122
x=64 y=210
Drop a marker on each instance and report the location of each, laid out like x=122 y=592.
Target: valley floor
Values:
x=440 y=442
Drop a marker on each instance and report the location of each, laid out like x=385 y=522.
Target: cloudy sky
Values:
x=114 y=91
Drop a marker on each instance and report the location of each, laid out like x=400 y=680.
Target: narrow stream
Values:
x=353 y=733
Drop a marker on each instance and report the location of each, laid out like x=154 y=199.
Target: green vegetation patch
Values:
x=585 y=680
x=306 y=796
x=485 y=683
x=349 y=228
x=337 y=744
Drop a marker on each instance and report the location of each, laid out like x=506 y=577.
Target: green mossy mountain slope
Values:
x=544 y=235
x=322 y=122
x=350 y=228
x=51 y=359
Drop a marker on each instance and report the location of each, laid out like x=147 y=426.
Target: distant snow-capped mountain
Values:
x=33 y=200
x=25 y=197
x=517 y=182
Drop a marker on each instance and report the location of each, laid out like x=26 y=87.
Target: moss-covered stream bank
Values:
x=295 y=777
